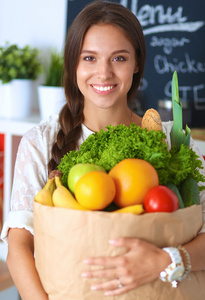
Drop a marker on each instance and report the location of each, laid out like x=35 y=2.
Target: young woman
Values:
x=104 y=63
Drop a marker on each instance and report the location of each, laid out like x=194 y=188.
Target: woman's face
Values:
x=106 y=66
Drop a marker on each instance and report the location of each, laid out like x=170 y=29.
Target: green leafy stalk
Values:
x=178 y=135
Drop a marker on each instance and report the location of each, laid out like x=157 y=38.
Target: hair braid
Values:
x=67 y=137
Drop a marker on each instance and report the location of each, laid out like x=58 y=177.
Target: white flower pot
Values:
x=16 y=98
x=51 y=100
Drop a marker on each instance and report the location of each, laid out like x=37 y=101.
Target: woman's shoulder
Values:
x=45 y=129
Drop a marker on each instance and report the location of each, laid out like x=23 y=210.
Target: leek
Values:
x=178 y=135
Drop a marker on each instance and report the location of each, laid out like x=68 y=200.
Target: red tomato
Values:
x=160 y=199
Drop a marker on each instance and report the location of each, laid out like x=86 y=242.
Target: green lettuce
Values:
x=108 y=147
x=184 y=163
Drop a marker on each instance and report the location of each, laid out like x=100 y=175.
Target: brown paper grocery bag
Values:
x=63 y=238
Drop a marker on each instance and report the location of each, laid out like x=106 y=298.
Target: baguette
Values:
x=151 y=120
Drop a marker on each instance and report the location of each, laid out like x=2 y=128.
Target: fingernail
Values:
x=113 y=242
x=93 y=288
x=108 y=293
x=86 y=261
x=84 y=275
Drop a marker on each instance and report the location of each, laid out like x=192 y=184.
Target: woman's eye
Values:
x=119 y=58
x=89 y=58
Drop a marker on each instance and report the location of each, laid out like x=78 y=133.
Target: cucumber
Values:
x=190 y=192
x=111 y=207
x=174 y=188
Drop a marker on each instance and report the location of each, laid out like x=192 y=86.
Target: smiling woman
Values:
x=104 y=61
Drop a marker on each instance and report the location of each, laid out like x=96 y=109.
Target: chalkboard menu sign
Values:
x=175 y=38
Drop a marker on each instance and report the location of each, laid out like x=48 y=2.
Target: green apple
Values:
x=78 y=170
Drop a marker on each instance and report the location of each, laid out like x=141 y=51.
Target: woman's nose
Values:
x=104 y=70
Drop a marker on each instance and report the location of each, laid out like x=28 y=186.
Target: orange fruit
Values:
x=95 y=190
x=133 y=179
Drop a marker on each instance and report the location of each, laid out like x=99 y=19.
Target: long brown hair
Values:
x=71 y=116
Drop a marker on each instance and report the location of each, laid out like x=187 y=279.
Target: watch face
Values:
x=176 y=273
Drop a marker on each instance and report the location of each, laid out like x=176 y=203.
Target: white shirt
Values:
x=31 y=173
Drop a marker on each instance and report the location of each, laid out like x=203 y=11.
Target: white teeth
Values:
x=103 y=89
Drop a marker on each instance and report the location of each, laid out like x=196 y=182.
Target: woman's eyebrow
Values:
x=95 y=52
x=121 y=51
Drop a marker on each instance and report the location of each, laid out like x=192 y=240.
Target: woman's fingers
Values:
x=123 y=242
x=130 y=243
x=108 y=285
x=112 y=287
x=127 y=267
x=105 y=273
x=119 y=291
x=115 y=261
x=106 y=261
x=120 y=264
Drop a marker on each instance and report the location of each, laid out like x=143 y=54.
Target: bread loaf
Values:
x=151 y=120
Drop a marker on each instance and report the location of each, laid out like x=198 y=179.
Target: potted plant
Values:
x=51 y=94
x=19 y=67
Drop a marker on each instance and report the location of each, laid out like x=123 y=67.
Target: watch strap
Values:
x=174 y=254
x=174 y=272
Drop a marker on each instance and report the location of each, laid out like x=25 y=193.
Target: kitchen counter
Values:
x=198 y=134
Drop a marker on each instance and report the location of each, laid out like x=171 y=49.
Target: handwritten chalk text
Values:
x=160 y=19
x=150 y=15
x=168 y=43
x=163 y=65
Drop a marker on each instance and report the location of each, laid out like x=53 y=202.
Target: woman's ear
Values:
x=136 y=69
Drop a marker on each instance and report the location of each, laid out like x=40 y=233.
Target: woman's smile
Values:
x=103 y=89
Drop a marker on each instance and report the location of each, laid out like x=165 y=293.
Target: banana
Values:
x=55 y=173
x=135 y=209
x=62 y=197
x=44 y=196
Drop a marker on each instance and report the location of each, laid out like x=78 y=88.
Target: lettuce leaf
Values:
x=184 y=163
x=108 y=147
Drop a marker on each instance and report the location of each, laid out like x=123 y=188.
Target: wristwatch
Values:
x=174 y=272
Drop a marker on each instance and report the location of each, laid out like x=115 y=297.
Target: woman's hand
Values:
x=142 y=263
